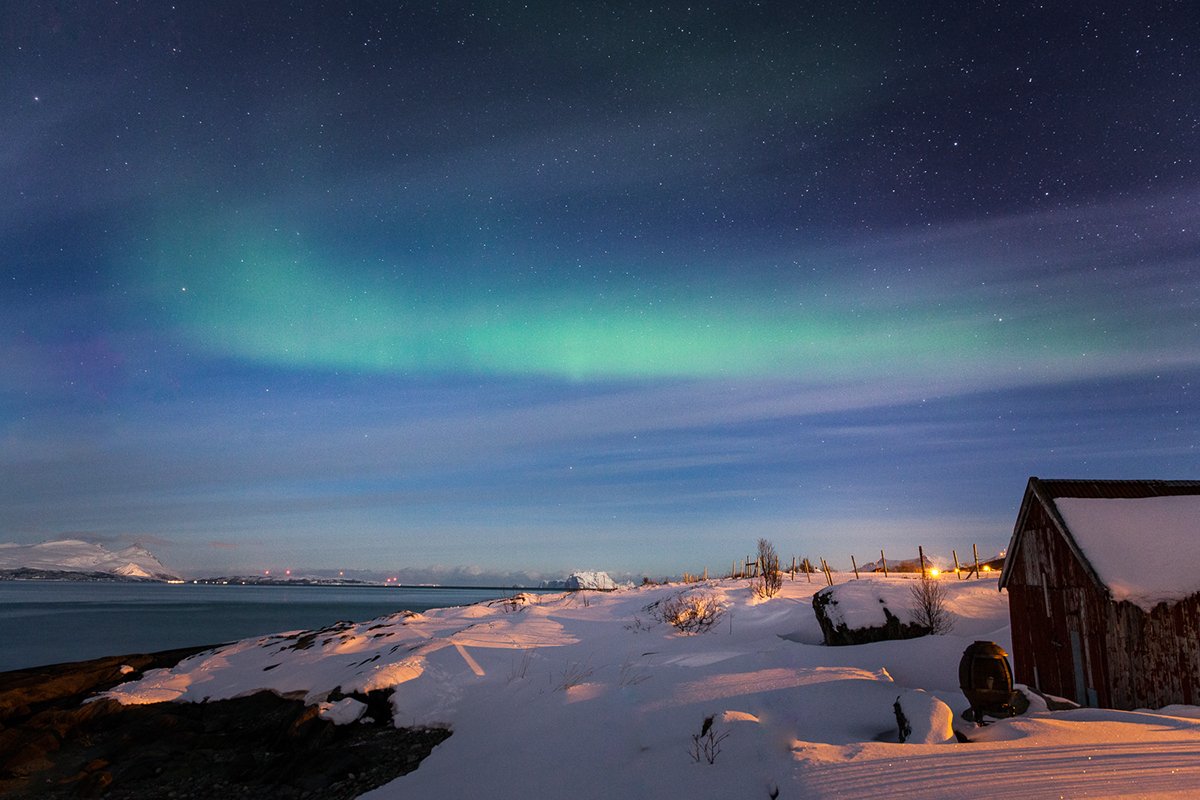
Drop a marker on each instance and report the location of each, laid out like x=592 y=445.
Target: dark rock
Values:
x=28 y=753
x=93 y=785
x=902 y=723
x=23 y=692
x=262 y=745
x=378 y=701
x=840 y=634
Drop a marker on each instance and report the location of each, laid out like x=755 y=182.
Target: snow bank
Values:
x=926 y=719
x=1144 y=549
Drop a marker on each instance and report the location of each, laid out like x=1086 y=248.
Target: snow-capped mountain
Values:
x=73 y=555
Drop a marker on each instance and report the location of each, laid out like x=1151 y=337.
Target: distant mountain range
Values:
x=73 y=559
x=77 y=560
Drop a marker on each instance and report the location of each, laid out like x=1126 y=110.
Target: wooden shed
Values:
x=1103 y=579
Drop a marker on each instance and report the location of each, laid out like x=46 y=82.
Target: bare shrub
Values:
x=573 y=674
x=769 y=580
x=519 y=669
x=929 y=605
x=706 y=745
x=515 y=603
x=689 y=612
x=630 y=676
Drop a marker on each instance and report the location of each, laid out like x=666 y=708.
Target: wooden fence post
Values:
x=854 y=564
x=957 y=574
x=975 y=550
x=883 y=558
x=921 y=551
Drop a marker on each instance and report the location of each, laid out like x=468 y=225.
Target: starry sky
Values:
x=484 y=291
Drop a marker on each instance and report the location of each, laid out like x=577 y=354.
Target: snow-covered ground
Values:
x=591 y=695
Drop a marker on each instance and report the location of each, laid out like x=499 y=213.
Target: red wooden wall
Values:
x=1070 y=640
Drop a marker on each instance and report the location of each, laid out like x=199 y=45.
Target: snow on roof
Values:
x=1144 y=549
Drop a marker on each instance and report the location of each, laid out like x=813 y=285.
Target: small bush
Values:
x=689 y=612
x=929 y=605
x=706 y=745
x=519 y=670
x=630 y=676
x=515 y=603
x=769 y=581
x=573 y=674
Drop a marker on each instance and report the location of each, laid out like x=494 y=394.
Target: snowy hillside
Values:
x=72 y=555
x=593 y=694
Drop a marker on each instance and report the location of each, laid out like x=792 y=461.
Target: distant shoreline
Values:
x=89 y=619
x=321 y=582
x=26 y=574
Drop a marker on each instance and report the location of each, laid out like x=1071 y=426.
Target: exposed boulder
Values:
x=260 y=745
x=923 y=719
x=584 y=580
x=591 y=580
x=860 y=612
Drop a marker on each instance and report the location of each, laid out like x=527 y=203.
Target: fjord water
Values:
x=48 y=622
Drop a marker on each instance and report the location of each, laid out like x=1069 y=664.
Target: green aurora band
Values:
x=279 y=305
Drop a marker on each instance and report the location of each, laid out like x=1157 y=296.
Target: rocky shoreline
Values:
x=54 y=744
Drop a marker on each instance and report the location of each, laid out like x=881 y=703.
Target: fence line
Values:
x=753 y=568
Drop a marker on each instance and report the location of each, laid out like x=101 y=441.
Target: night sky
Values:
x=468 y=290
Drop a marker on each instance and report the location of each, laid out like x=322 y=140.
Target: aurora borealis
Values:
x=493 y=289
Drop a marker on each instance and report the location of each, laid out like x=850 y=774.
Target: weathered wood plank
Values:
x=1128 y=658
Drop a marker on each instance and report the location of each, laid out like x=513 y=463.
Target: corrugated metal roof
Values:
x=1056 y=487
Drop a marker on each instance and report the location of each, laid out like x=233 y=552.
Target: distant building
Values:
x=1103 y=579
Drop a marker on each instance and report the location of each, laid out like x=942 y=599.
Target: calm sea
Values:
x=48 y=622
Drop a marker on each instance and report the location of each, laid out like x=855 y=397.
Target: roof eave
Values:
x=1015 y=540
x=1035 y=489
x=1061 y=524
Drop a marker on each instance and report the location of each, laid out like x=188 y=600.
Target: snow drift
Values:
x=591 y=695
